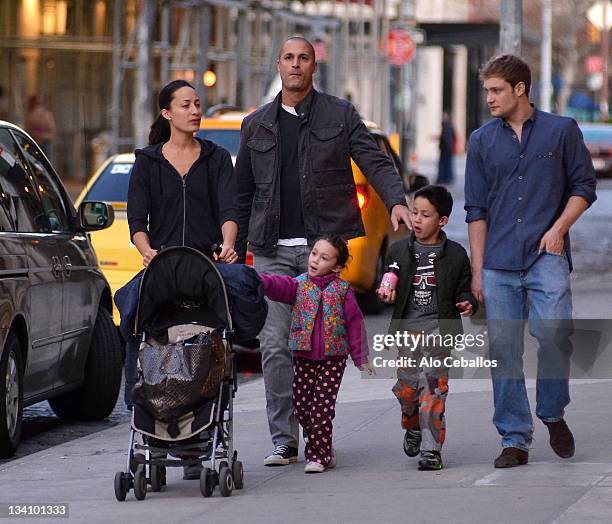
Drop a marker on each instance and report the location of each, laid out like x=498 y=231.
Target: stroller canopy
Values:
x=181 y=286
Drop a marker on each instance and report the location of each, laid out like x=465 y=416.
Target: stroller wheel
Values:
x=158 y=477
x=238 y=474
x=226 y=482
x=207 y=482
x=120 y=488
x=137 y=458
x=140 y=483
x=223 y=464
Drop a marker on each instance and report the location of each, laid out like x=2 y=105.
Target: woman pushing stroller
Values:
x=181 y=193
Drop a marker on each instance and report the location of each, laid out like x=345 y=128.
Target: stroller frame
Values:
x=223 y=469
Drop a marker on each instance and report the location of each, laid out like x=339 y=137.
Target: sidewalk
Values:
x=374 y=480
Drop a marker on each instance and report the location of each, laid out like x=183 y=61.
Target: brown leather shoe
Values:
x=511 y=457
x=561 y=438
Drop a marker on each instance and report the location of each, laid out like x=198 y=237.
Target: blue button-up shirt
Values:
x=521 y=188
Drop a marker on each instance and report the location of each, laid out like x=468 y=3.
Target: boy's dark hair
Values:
x=340 y=245
x=509 y=67
x=438 y=197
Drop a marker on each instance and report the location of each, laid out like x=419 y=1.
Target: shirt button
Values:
x=522 y=156
x=304 y=177
x=519 y=220
x=520 y=198
x=520 y=178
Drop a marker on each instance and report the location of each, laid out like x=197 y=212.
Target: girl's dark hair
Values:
x=160 y=129
x=340 y=245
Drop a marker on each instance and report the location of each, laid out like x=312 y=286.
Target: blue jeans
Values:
x=542 y=296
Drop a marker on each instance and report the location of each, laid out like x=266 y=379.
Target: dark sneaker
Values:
x=192 y=472
x=282 y=456
x=412 y=442
x=430 y=461
x=561 y=438
x=511 y=457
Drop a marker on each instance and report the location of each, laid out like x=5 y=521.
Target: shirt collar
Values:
x=532 y=117
x=323 y=281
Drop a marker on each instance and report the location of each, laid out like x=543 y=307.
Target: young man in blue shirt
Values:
x=528 y=179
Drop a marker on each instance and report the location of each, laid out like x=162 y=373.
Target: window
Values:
x=18 y=194
x=46 y=184
x=113 y=184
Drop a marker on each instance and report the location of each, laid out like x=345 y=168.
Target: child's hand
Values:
x=386 y=295
x=367 y=368
x=465 y=308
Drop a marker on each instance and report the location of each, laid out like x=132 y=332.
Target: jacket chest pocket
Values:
x=263 y=159
x=328 y=148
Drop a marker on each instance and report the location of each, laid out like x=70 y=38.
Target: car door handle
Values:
x=67 y=266
x=56 y=267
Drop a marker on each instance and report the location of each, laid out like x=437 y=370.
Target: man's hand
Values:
x=148 y=256
x=386 y=295
x=465 y=308
x=477 y=284
x=400 y=212
x=552 y=242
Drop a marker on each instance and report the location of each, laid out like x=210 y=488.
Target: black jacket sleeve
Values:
x=246 y=191
x=377 y=167
x=139 y=197
x=227 y=190
x=463 y=291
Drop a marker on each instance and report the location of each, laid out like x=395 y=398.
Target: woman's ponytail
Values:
x=160 y=131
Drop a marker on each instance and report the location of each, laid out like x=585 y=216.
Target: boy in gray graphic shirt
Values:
x=432 y=293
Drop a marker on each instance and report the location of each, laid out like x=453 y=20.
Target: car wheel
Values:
x=97 y=397
x=369 y=301
x=11 y=393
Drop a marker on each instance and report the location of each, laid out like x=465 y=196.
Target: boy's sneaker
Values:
x=314 y=467
x=333 y=461
x=430 y=461
x=282 y=456
x=412 y=442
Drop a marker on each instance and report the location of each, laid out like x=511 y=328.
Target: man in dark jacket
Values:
x=295 y=182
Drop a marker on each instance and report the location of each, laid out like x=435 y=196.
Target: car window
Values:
x=18 y=194
x=226 y=138
x=112 y=185
x=49 y=188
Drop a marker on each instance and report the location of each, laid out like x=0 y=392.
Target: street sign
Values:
x=400 y=47
x=594 y=64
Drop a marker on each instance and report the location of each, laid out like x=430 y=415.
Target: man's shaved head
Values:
x=300 y=39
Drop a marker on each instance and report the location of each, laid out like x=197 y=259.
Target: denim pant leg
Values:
x=506 y=302
x=131 y=364
x=550 y=322
x=276 y=359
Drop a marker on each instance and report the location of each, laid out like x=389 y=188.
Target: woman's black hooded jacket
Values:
x=176 y=211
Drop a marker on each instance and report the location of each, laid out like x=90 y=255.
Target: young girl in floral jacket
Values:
x=326 y=326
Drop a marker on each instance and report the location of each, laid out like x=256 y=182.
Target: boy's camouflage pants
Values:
x=421 y=392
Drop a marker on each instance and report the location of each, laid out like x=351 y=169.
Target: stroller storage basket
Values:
x=177 y=378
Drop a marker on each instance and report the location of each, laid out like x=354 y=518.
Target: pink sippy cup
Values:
x=390 y=278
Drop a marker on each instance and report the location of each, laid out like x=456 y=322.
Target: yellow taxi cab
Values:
x=120 y=261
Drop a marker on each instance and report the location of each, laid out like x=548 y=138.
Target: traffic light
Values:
x=593 y=34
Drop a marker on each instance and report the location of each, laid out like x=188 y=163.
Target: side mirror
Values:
x=95 y=216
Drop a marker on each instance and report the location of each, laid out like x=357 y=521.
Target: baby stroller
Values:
x=183 y=401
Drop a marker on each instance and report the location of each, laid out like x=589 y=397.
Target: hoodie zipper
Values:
x=184 y=206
